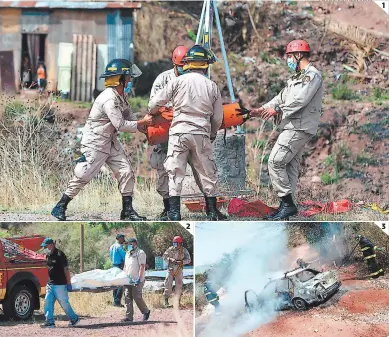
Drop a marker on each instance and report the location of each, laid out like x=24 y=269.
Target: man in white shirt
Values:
x=134 y=267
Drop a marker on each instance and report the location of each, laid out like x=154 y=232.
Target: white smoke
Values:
x=263 y=248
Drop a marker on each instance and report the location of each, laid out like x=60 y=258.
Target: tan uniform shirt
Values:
x=301 y=101
x=110 y=113
x=197 y=105
x=132 y=263
x=179 y=254
x=161 y=81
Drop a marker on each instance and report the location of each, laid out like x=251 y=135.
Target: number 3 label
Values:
x=384 y=225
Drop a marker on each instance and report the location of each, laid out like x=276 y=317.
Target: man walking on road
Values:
x=134 y=266
x=177 y=256
x=117 y=255
x=58 y=285
x=298 y=106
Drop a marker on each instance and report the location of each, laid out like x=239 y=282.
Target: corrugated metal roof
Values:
x=70 y=4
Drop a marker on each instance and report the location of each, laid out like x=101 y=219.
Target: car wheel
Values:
x=20 y=303
x=299 y=304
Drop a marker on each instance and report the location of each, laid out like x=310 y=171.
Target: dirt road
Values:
x=358 y=214
x=162 y=322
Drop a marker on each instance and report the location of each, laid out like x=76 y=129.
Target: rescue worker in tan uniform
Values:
x=299 y=107
x=159 y=153
x=197 y=116
x=110 y=114
x=177 y=256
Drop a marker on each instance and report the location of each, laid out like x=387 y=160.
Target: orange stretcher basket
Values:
x=160 y=133
x=233 y=115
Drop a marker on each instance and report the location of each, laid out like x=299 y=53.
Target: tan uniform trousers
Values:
x=157 y=158
x=172 y=275
x=197 y=151
x=131 y=294
x=85 y=171
x=284 y=161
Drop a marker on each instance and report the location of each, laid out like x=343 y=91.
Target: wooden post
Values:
x=79 y=67
x=74 y=68
x=94 y=66
x=84 y=69
x=89 y=69
x=81 y=248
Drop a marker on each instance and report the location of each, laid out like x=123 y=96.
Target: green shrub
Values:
x=343 y=92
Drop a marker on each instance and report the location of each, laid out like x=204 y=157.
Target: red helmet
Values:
x=178 y=239
x=297 y=46
x=178 y=54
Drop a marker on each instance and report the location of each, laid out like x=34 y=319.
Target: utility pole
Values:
x=82 y=248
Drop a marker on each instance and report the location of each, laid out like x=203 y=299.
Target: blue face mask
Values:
x=291 y=64
x=175 y=244
x=129 y=247
x=127 y=89
x=180 y=70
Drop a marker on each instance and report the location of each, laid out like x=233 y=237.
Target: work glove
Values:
x=69 y=287
x=137 y=281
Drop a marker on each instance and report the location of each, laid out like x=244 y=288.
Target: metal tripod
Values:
x=204 y=37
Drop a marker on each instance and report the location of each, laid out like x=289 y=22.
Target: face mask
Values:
x=129 y=247
x=47 y=251
x=291 y=64
x=127 y=89
x=180 y=70
x=175 y=244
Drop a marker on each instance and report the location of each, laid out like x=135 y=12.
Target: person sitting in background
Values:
x=117 y=255
x=58 y=284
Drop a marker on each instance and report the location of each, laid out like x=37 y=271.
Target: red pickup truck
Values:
x=23 y=276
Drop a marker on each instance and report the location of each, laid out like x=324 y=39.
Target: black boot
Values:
x=167 y=305
x=213 y=213
x=268 y=217
x=128 y=213
x=59 y=211
x=174 y=212
x=287 y=209
x=163 y=216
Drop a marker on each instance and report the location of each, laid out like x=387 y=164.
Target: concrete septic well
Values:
x=230 y=162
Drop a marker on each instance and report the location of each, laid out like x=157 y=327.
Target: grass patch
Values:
x=343 y=92
x=259 y=144
x=79 y=105
x=329 y=179
x=380 y=94
x=138 y=103
x=366 y=160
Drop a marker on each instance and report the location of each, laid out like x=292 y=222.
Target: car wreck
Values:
x=299 y=288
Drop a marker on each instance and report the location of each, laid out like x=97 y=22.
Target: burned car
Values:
x=298 y=289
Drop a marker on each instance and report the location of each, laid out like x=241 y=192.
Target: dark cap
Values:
x=131 y=240
x=47 y=241
x=118 y=236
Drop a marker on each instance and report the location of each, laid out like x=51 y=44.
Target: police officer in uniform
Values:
x=298 y=107
x=368 y=250
x=197 y=116
x=177 y=256
x=110 y=114
x=159 y=153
